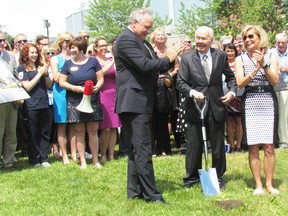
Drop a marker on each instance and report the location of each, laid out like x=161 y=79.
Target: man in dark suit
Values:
x=197 y=81
x=137 y=71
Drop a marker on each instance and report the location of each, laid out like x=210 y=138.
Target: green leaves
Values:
x=226 y=16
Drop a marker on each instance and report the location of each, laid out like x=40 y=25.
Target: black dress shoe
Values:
x=161 y=201
x=187 y=186
x=221 y=185
x=136 y=197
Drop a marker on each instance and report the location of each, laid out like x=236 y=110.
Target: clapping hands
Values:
x=176 y=49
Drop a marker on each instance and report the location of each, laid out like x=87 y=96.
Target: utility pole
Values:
x=46 y=24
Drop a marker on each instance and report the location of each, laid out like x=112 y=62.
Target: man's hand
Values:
x=227 y=98
x=199 y=96
x=175 y=49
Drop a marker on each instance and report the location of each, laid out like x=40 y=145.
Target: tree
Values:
x=7 y=36
x=230 y=16
x=109 y=17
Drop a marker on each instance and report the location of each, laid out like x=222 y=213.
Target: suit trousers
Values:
x=137 y=134
x=194 y=151
x=39 y=135
x=283 y=117
x=8 y=138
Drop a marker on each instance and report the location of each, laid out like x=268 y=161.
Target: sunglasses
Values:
x=250 y=36
x=50 y=53
x=67 y=41
x=2 y=40
x=22 y=41
x=188 y=42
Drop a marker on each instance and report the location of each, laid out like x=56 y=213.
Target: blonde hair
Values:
x=43 y=53
x=153 y=35
x=61 y=37
x=90 y=48
x=258 y=30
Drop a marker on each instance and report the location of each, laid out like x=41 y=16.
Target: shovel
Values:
x=208 y=177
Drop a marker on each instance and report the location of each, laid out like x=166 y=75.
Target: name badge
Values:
x=73 y=69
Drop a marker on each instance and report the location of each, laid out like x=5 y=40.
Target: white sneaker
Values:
x=88 y=156
x=98 y=165
x=45 y=164
x=83 y=166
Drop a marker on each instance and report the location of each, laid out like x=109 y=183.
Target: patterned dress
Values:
x=259 y=106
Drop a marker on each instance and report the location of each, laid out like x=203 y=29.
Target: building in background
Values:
x=171 y=9
x=76 y=21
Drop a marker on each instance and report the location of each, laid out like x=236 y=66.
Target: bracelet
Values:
x=252 y=77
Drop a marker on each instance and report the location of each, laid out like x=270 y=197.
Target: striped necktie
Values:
x=205 y=65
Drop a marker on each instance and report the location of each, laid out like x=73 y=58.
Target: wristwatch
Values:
x=266 y=66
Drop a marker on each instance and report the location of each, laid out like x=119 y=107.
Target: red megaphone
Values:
x=85 y=104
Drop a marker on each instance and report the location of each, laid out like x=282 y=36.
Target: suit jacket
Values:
x=192 y=76
x=10 y=62
x=137 y=73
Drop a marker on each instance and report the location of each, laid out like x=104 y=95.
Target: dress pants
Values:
x=137 y=134
x=39 y=135
x=194 y=151
x=283 y=117
x=8 y=139
x=22 y=129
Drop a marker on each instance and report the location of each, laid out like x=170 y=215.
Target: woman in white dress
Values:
x=257 y=72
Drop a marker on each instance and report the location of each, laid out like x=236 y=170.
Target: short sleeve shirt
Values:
x=38 y=95
x=77 y=74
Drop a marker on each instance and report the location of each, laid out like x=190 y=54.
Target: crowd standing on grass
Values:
x=142 y=94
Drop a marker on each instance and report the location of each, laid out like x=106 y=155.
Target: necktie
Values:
x=205 y=65
x=150 y=51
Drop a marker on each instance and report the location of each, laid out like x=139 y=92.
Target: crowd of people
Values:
x=147 y=91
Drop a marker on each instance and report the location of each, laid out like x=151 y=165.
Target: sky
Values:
x=26 y=16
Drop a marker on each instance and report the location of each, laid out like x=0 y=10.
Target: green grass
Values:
x=67 y=190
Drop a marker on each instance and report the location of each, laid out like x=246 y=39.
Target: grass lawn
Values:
x=67 y=190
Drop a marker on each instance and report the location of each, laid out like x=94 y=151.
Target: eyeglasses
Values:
x=50 y=53
x=250 y=36
x=2 y=40
x=22 y=41
x=104 y=45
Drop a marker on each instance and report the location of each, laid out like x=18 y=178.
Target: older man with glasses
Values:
x=22 y=124
x=282 y=53
x=19 y=40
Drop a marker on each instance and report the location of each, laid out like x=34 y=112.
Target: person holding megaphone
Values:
x=82 y=77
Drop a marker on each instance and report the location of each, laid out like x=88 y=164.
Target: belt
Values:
x=259 y=89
